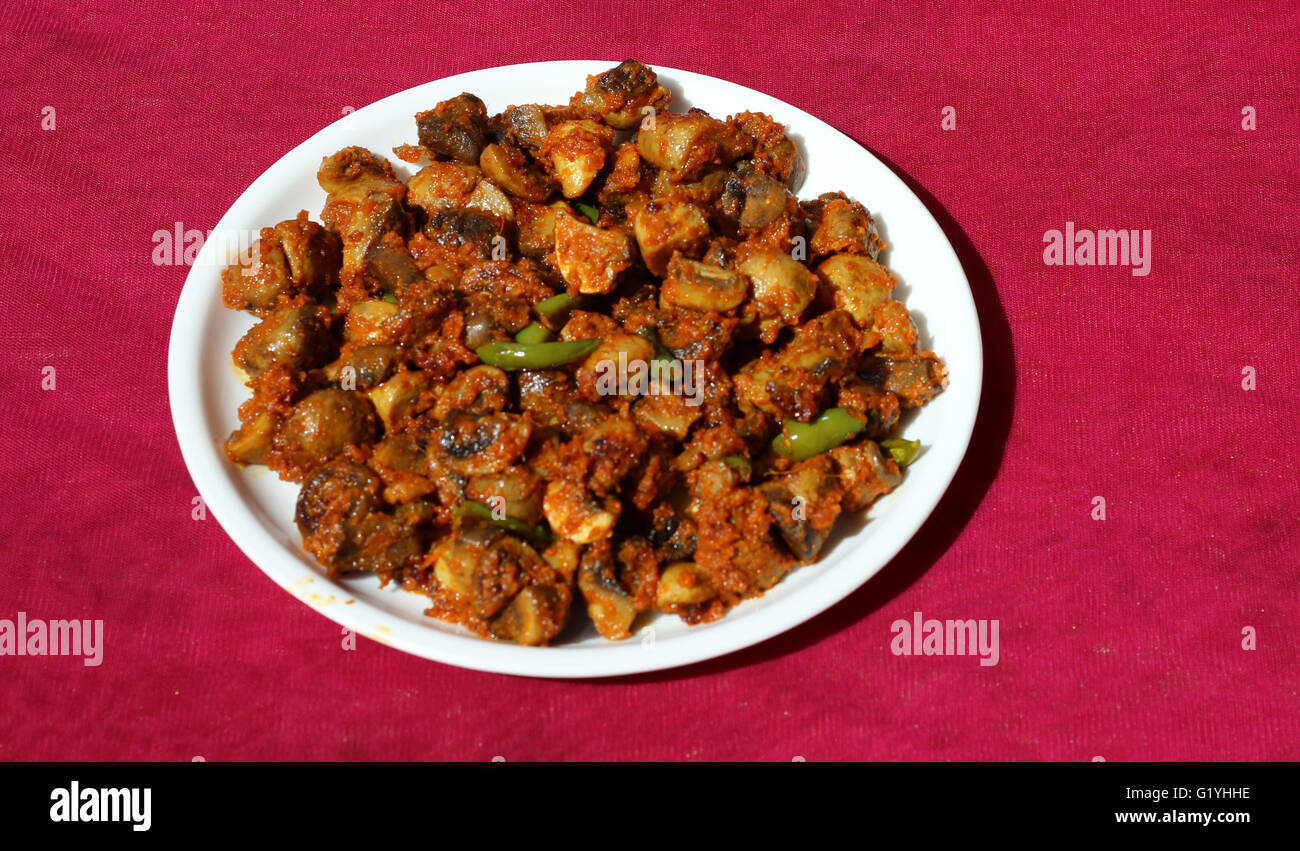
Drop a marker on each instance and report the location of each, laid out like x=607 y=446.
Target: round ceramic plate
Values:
x=256 y=509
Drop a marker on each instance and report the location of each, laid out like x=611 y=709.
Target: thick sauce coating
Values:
x=589 y=358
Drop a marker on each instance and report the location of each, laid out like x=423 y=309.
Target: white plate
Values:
x=256 y=509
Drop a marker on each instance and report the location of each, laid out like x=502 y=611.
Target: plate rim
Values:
x=241 y=524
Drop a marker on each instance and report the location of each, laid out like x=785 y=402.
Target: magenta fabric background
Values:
x=1120 y=639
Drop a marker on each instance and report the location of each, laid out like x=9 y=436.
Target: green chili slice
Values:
x=390 y=298
x=903 y=451
x=533 y=333
x=534 y=355
x=801 y=441
x=469 y=509
x=740 y=464
x=588 y=210
x=555 y=310
x=661 y=351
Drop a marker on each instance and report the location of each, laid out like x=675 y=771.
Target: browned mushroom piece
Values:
x=622 y=95
x=324 y=423
x=294 y=335
x=455 y=129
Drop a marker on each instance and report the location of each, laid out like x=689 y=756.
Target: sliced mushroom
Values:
x=470 y=445
x=398 y=397
x=858 y=284
x=698 y=286
x=804 y=503
x=368 y=322
x=510 y=169
x=480 y=389
x=667 y=226
x=364 y=204
x=893 y=322
x=575 y=514
x=681 y=144
x=455 y=128
x=442 y=186
x=295 y=256
x=516 y=491
x=524 y=125
x=248 y=444
x=782 y=289
x=456 y=558
x=915 y=378
x=390 y=270
x=764 y=200
x=620 y=95
x=590 y=259
x=487 y=198
x=865 y=473
x=534 y=616
x=292 y=335
x=608 y=603
x=258 y=284
x=683 y=584
x=338 y=492
x=577 y=151
x=364 y=367
x=339 y=516
x=325 y=422
x=841 y=225
x=313 y=253
x=536 y=224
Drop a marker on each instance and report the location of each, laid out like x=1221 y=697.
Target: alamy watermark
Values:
x=1084 y=247
x=934 y=637
x=37 y=637
x=73 y=803
x=181 y=246
x=658 y=377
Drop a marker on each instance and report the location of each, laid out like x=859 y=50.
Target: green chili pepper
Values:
x=390 y=298
x=740 y=464
x=903 y=451
x=588 y=210
x=555 y=310
x=661 y=352
x=533 y=333
x=801 y=441
x=534 y=355
x=469 y=509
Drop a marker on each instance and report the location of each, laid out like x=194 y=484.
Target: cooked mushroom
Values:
x=590 y=258
x=534 y=616
x=455 y=128
x=608 y=603
x=666 y=227
x=577 y=150
x=511 y=169
x=575 y=514
x=858 y=284
x=804 y=503
x=292 y=335
x=442 y=186
x=620 y=95
x=681 y=144
x=782 y=289
x=488 y=443
x=325 y=422
x=364 y=203
x=699 y=286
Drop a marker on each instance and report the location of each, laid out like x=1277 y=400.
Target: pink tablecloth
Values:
x=1120 y=638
